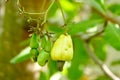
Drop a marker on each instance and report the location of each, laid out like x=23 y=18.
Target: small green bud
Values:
x=42 y=58
x=33 y=42
x=34 y=52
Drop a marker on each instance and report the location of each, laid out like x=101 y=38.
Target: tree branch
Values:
x=98 y=33
x=107 y=16
x=104 y=67
x=100 y=63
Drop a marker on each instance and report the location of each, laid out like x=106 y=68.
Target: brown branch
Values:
x=98 y=33
x=104 y=67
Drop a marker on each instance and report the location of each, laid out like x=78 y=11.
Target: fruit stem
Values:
x=60 y=65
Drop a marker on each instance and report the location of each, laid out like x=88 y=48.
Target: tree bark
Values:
x=10 y=39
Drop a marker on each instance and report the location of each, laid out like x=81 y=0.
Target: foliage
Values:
x=98 y=30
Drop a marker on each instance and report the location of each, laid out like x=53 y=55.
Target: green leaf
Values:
x=43 y=76
x=56 y=29
x=98 y=4
x=115 y=8
x=53 y=10
x=112 y=36
x=52 y=66
x=103 y=77
x=79 y=60
x=33 y=42
x=43 y=41
x=102 y=4
x=67 y=5
x=22 y=56
x=98 y=45
x=70 y=8
x=94 y=16
x=43 y=57
x=48 y=45
x=116 y=62
x=83 y=26
x=80 y=53
x=26 y=42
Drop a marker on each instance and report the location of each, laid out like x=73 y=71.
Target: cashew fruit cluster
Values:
x=41 y=51
x=41 y=56
x=34 y=47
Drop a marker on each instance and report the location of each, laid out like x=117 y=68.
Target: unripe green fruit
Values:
x=42 y=58
x=48 y=45
x=34 y=52
x=43 y=41
x=63 y=48
x=34 y=59
x=33 y=42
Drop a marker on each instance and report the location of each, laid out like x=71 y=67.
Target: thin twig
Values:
x=33 y=13
x=98 y=33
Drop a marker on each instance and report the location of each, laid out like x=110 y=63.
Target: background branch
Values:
x=98 y=33
x=107 y=17
x=104 y=67
x=100 y=63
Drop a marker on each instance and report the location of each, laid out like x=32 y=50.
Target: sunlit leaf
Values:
x=52 y=66
x=104 y=77
x=70 y=8
x=116 y=62
x=56 y=29
x=67 y=5
x=102 y=4
x=98 y=4
x=53 y=10
x=43 y=76
x=22 y=56
x=83 y=26
x=115 y=8
x=95 y=16
x=112 y=35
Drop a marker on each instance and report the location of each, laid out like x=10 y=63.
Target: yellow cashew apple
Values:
x=63 y=48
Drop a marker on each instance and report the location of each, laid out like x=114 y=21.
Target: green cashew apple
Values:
x=42 y=58
x=63 y=48
x=34 y=53
x=43 y=41
x=33 y=42
x=48 y=45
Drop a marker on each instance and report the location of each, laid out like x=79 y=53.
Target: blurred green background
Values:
x=84 y=18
